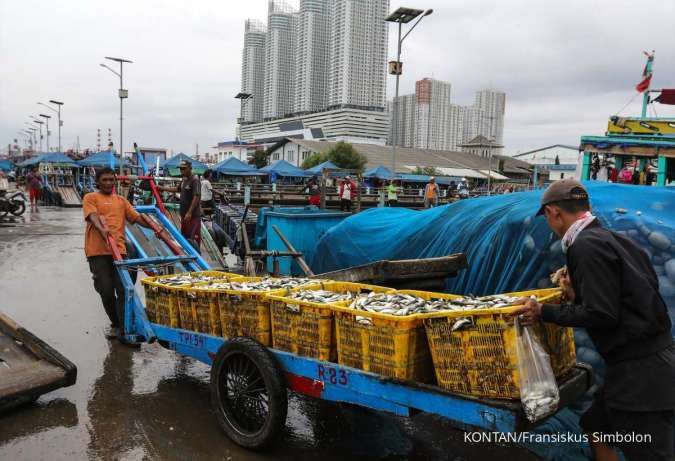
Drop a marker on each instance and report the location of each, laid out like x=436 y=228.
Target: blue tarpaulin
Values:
x=102 y=159
x=508 y=249
x=327 y=165
x=283 y=168
x=379 y=172
x=235 y=167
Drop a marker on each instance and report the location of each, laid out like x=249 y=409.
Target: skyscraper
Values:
x=437 y=124
x=311 y=64
x=280 y=50
x=358 y=54
x=327 y=58
x=253 y=70
x=493 y=105
x=432 y=112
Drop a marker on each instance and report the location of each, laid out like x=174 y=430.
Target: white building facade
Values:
x=432 y=113
x=311 y=65
x=492 y=104
x=253 y=69
x=280 y=47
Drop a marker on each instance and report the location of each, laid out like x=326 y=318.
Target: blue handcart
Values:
x=249 y=381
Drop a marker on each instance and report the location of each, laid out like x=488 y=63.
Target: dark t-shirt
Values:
x=189 y=188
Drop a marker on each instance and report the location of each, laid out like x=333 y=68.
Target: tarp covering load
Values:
x=508 y=249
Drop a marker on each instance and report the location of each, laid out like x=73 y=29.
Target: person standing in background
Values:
x=190 y=211
x=431 y=193
x=34 y=186
x=392 y=196
x=346 y=194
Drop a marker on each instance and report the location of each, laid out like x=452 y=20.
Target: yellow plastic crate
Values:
x=306 y=328
x=481 y=360
x=394 y=346
x=247 y=313
x=164 y=304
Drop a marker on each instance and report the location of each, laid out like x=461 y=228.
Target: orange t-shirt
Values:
x=114 y=209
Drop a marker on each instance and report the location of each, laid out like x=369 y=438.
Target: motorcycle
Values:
x=14 y=203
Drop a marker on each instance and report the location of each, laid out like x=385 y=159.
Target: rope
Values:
x=628 y=103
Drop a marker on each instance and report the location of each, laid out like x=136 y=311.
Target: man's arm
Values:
x=597 y=276
x=95 y=221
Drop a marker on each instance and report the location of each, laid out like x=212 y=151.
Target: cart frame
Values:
x=327 y=380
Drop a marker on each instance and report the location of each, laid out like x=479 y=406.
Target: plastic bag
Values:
x=538 y=388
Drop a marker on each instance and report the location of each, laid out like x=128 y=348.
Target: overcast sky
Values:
x=565 y=66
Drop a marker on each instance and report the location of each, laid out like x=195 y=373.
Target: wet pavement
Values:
x=151 y=403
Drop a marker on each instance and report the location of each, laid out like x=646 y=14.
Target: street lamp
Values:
x=34 y=137
x=46 y=117
x=40 y=123
x=58 y=113
x=242 y=96
x=400 y=16
x=123 y=94
x=30 y=135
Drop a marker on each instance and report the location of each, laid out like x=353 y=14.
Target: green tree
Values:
x=260 y=158
x=345 y=156
x=314 y=160
x=427 y=171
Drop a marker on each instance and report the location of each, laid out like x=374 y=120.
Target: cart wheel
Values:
x=248 y=392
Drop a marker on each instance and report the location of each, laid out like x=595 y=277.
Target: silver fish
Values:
x=320 y=296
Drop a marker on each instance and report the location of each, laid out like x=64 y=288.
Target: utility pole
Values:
x=58 y=113
x=46 y=117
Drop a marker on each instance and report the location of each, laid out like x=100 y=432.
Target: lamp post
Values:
x=123 y=94
x=242 y=96
x=46 y=117
x=30 y=134
x=400 y=16
x=33 y=141
x=40 y=123
x=58 y=114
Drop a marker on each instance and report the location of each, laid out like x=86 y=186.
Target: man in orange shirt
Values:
x=106 y=213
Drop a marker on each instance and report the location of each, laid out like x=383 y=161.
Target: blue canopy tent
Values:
x=6 y=165
x=379 y=172
x=234 y=167
x=102 y=159
x=170 y=165
x=283 y=169
x=31 y=161
x=334 y=169
x=57 y=157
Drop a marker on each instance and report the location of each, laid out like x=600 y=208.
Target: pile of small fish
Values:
x=186 y=279
x=267 y=284
x=404 y=304
x=320 y=296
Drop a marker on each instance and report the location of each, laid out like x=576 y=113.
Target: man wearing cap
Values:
x=190 y=211
x=613 y=293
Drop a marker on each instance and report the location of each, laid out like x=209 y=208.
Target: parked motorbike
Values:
x=14 y=203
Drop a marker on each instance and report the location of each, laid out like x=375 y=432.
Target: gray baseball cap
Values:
x=563 y=189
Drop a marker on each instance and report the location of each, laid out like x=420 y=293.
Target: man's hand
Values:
x=187 y=217
x=566 y=285
x=530 y=312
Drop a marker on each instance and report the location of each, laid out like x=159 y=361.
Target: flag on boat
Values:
x=646 y=74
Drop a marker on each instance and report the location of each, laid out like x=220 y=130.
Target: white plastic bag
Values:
x=538 y=388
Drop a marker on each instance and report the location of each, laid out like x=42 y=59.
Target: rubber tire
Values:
x=275 y=383
x=20 y=210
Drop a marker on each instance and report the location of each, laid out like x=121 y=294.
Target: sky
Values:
x=565 y=66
